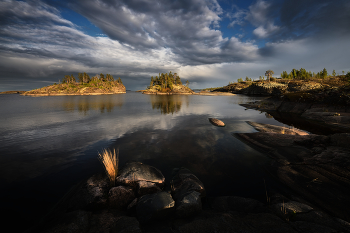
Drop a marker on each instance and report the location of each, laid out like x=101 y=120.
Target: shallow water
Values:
x=48 y=144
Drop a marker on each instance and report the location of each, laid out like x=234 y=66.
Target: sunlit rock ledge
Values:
x=65 y=94
x=92 y=88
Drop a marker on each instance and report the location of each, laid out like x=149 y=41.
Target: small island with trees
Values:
x=100 y=84
x=167 y=84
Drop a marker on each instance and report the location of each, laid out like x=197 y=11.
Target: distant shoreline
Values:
x=11 y=92
x=62 y=94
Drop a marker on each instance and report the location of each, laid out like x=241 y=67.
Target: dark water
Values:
x=48 y=144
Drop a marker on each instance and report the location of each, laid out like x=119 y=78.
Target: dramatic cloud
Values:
x=44 y=40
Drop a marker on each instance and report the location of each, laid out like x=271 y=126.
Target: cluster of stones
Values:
x=139 y=204
x=139 y=197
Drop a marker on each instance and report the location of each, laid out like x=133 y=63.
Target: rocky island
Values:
x=97 y=85
x=167 y=84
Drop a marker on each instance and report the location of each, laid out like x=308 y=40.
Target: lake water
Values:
x=48 y=144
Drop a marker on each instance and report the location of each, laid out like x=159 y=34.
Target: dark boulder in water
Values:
x=187 y=191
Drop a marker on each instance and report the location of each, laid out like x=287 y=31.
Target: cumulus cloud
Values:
x=143 y=37
x=260 y=15
x=188 y=28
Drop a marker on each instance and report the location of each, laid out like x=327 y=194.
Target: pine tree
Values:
x=324 y=73
x=102 y=77
x=81 y=77
x=72 y=79
x=333 y=73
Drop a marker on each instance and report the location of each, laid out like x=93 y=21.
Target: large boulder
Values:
x=120 y=197
x=187 y=191
x=154 y=206
x=144 y=178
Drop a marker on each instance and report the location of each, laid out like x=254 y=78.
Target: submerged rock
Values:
x=154 y=206
x=216 y=122
x=141 y=176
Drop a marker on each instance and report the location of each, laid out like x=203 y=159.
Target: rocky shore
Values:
x=176 y=90
x=140 y=202
x=316 y=167
x=93 y=88
x=333 y=118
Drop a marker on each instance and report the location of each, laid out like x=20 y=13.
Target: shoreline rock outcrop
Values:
x=179 y=210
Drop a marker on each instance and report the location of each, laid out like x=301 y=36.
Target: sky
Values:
x=208 y=42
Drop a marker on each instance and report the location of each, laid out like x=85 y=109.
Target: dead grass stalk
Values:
x=110 y=160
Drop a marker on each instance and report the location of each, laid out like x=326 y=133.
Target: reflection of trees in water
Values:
x=86 y=103
x=168 y=103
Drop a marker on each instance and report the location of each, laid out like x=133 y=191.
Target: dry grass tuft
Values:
x=110 y=161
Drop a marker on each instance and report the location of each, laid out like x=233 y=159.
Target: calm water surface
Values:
x=48 y=144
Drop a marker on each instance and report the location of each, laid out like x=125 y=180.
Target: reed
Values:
x=110 y=160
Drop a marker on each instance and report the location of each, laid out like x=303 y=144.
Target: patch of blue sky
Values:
x=82 y=23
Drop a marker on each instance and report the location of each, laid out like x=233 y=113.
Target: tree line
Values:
x=166 y=80
x=85 y=78
x=301 y=74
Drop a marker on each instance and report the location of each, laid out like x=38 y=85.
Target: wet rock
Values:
x=276 y=129
x=126 y=224
x=119 y=197
x=135 y=172
x=154 y=206
x=189 y=205
x=216 y=122
x=187 y=191
x=92 y=194
x=185 y=181
x=146 y=187
x=240 y=204
x=290 y=209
